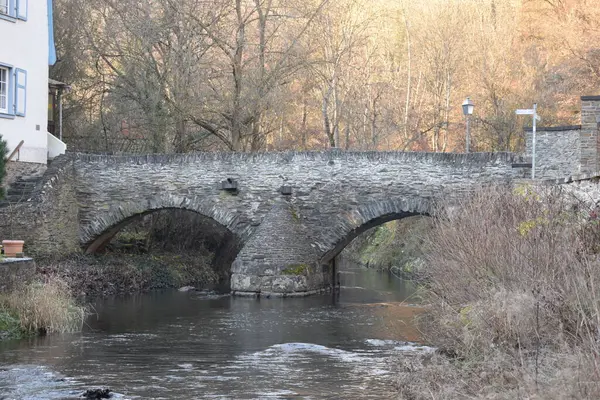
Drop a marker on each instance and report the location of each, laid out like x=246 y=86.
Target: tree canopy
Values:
x=188 y=75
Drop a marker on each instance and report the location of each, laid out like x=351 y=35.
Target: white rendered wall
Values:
x=24 y=44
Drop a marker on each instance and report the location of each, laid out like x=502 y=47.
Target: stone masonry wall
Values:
x=288 y=264
x=569 y=150
x=558 y=151
x=326 y=185
x=286 y=241
x=335 y=194
x=15 y=273
x=48 y=223
x=590 y=119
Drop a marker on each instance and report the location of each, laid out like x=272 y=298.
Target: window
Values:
x=4 y=7
x=13 y=9
x=4 y=75
x=13 y=91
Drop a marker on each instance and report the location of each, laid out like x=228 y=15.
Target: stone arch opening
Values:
x=99 y=242
x=97 y=227
x=220 y=241
x=354 y=233
x=353 y=224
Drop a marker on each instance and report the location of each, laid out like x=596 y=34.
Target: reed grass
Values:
x=44 y=307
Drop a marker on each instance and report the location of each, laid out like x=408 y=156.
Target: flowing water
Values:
x=193 y=345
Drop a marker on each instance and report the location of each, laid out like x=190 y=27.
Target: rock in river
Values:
x=94 y=394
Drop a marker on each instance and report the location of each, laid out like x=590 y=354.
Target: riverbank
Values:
x=123 y=273
x=52 y=297
x=513 y=301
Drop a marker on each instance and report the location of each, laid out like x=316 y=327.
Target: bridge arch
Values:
x=98 y=231
x=351 y=224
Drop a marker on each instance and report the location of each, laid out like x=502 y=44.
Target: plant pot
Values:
x=12 y=247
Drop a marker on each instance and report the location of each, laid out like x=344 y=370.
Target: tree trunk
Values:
x=347 y=136
x=303 y=125
x=180 y=133
x=408 y=75
x=336 y=111
x=236 y=114
x=326 y=122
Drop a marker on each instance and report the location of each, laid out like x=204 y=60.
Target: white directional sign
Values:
x=528 y=111
x=525 y=111
x=533 y=113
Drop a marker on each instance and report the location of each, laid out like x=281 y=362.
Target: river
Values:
x=194 y=345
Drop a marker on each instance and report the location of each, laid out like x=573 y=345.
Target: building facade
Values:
x=26 y=51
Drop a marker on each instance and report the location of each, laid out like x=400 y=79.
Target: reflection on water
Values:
x=176 y=345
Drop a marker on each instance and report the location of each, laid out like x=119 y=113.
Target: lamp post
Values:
x=467 y=107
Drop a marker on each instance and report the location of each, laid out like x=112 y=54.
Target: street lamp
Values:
x=467 y=107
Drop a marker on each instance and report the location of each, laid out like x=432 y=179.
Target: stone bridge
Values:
x=289 y=214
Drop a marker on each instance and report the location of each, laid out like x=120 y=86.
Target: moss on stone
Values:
x=295 y=215
x=296 y=269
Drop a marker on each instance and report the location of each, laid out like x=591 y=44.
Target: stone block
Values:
x=289 y=284
x=245 y=283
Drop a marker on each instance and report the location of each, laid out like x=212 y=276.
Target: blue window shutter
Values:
x=12 y=8
x=22 y=9
x=11 y=83
x=20 y=100
x=51 y=46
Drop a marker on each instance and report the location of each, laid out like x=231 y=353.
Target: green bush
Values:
x=3 y=154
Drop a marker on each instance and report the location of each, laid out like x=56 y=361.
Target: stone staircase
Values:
x=20 y=191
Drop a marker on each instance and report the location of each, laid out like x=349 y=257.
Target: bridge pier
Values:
x=279 y=260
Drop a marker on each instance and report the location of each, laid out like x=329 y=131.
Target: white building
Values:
x=26 y=50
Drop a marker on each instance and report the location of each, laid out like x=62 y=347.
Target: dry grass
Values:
x=45 y=307
x=513 y=282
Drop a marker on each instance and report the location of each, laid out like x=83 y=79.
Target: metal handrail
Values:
x=15 y=151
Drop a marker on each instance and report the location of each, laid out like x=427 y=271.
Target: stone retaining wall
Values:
x=558 y=151
x=49 y=222
x=15 y=272
x=568 y=150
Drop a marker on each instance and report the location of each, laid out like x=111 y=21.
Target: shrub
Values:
x=45 y=308
x=513 y=280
